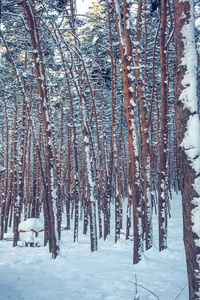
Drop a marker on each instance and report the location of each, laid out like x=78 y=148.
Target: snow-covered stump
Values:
x=33 y=225
x=188 y=137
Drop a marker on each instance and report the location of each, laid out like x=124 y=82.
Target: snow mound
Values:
x=32 y=224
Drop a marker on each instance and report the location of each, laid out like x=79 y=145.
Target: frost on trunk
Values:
x=92 y=203
x=5 y=190
x=124 y=37
x=162 y=216
x=114 y=152
x=144 y=132
x=20 y=183
x=188 y=137
x=50 y=186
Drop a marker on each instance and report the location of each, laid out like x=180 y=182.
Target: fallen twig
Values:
x=181 y=291
x=145 y=289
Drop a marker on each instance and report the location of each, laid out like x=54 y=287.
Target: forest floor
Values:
x=29 y=273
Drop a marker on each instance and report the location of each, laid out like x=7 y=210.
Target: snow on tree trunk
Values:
x=127 y=64
x=163 y=137
x=92 y=203
x=20 y=182
x=50 y=193
x=113 y=138
x=146 y=176
x=188 y=137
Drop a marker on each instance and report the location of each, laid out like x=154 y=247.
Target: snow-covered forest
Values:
x=99 y=137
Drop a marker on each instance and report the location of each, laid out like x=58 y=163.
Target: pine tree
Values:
x=187 y=120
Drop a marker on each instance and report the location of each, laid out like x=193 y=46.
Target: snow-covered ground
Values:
x=77 y=274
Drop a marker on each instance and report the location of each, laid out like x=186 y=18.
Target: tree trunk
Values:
x=50 y=193
x=187 y=121
x=163 y=137
x=127 y=62
x=145 y=170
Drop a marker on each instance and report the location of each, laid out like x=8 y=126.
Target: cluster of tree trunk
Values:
x=96 y=112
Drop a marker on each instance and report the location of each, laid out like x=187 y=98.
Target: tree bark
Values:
x=51 y=197
x=163 y=137
x=127 y=62
x=145 y=161
x=187 y=119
